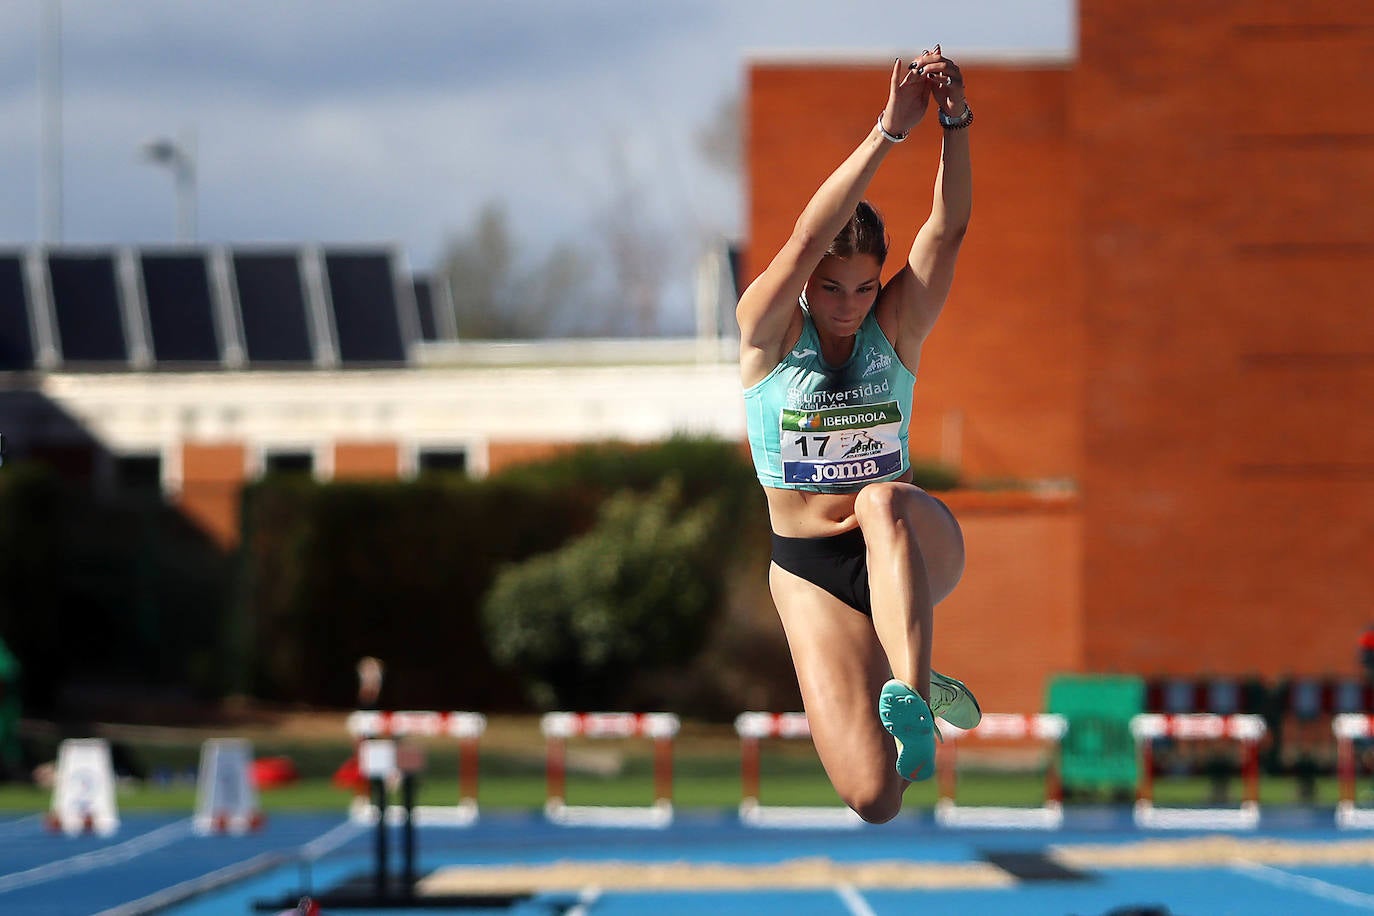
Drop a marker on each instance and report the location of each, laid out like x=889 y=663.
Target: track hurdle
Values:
x=467 y=727
x=1348 y=728
x=1045 y=727
x=752 y=727
x=1245 y=729
x=558 y=727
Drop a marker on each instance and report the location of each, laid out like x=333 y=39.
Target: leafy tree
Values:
x=497 y=296
x=637 y=593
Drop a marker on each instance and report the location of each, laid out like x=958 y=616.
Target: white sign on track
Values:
x=83 y=796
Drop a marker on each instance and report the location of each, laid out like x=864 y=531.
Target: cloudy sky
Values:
x=396 y=120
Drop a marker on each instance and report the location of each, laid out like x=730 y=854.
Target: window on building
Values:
x=442 y=461
x=285 y=462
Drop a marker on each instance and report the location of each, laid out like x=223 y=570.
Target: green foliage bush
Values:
x=639 y=591
x=332 y=572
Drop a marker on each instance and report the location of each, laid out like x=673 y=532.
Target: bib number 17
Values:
x=803 y=443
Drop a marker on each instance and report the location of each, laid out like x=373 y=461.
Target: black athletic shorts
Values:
x=838 y=564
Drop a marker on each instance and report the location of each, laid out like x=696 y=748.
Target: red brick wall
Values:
x=1229 y=468
x=1016 y=619
x=504 y=454
x=366 y=460
x=212 y=483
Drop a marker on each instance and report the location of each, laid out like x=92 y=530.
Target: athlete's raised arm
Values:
x=767 y=312
x=914 y=297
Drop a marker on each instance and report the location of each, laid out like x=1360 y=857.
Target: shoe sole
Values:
x=909 y=734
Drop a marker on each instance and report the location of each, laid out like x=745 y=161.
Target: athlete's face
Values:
x=841 y=292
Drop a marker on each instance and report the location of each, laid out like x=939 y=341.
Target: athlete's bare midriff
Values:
x=809 y=514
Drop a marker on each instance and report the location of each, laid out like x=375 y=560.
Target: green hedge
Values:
x=106 y=591
x=400 y=570
x=102 y=590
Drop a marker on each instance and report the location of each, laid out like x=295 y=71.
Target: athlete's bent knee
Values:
x=880 y=503
x=875 y=808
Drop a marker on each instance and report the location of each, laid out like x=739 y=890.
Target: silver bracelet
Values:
x=959 y=123
x=889 y=137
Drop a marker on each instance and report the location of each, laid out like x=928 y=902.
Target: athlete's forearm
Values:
x=834 y=202
x=952 y=204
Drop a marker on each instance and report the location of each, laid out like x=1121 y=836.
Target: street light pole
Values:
x=180 y=157
x=50 y=125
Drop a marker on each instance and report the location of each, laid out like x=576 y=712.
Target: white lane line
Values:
x=229 y=874
x=1313 y=886
x=590 y=894
x=196 y=886
x=100 y=858
x=326 y=843
x=853 y=900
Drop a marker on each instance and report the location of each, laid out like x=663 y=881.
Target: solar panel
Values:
x=85 y=298
x=272 y=303
x=180 y=308
x=362 y=290
x=16 y=340
x=424 y=303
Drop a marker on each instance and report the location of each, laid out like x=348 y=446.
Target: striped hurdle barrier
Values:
x=558 y=727
x=1044 y=727
x=1247 y=730
x=466 y=727
x=1348 y=728
x=753 y=727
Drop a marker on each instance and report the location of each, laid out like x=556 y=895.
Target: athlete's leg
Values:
x=915 y=558
x=840 y=669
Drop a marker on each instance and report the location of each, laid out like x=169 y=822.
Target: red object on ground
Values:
x=349 y=776
x=271 y=772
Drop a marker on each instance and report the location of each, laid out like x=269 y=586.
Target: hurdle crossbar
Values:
x=558 y=727
x=752 y=727
x=1247 y=730
x=1049 y=815
x=1348 y=728
x=467 y=727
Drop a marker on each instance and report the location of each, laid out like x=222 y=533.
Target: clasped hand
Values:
x=928 y=76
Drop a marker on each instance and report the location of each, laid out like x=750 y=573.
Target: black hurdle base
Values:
x=380 y=889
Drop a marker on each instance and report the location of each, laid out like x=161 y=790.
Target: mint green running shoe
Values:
x=908 y=719
x=953 y=702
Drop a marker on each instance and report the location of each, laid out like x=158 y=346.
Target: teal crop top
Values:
x=831 y=429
